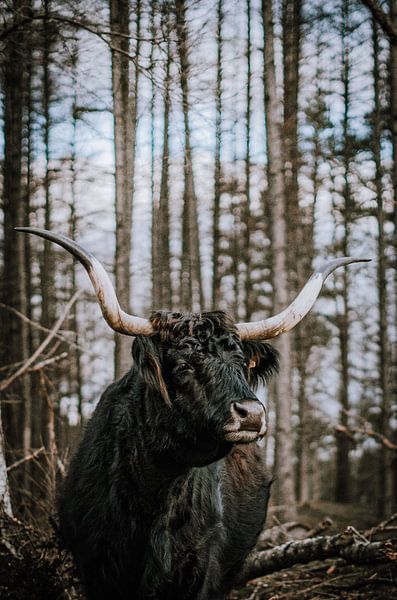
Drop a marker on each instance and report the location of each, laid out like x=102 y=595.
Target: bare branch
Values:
x=350 y=431
x=60 y=336
x=383 y=19
x=322 y=526
x=48 y=361
x=34 y=454
x=72 y=22
x=27 y=364
x=381 y=526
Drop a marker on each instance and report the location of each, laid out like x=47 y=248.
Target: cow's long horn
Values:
x=294 y=313
x=115 y=317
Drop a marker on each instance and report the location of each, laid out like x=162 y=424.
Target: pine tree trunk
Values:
x=76 y=367
x=125 y=97
x=216 y=278
x=191 y=284
x=343 y=476
x=291 y=54
x=246 y=255
x=14 y=332
x=5 y=499
x=385 y=466
x=164 y=275
x=284 y=454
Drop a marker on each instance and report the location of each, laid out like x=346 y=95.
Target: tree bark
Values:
x=191 y=284
x=14 y=283
x=385 y=473
x=247 y=220
x=5 y=499
x=284 y=454
x=216 y=277
x=125 y=98
x=319 y=548
x=343 y=476
x=76 y=370
x=291 y=55
x=162 y=273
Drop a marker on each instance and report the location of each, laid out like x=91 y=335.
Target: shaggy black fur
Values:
x=156 y=503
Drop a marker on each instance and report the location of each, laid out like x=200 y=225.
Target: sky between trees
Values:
x=199 y=66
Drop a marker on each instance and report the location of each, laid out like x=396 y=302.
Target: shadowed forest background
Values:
x=211 y=155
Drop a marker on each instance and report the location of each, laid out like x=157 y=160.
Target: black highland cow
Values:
x=167 y=493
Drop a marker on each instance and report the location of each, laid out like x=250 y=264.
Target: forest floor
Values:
x=33 y=568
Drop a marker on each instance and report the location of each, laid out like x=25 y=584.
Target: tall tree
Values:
x=162 y=271
x=47 y=266
x=315 y=118
x=125 y=99
x=284 y=485
x=291 y=13
x=247 y=218
x=191 y=284
x=216 y=276
x=385 y=466
x=343 y=477
x=14 y=331
x=76 y=367
x=388 y=23
x=155 y=258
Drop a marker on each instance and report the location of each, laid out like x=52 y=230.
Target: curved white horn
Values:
x=294 y=313
x=115 y=317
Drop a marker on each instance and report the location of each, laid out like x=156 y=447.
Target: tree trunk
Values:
x=125 y=98
x=5 y=499
x=216 y=278
x=299 y=238
x=191 y=284
x=76 y=370
x=284 y=456
x=247 y=221
x=14 y=289
x=343 y=476
x=385 y=473
x=162 y=281
x=291 y=55
x=155 y=258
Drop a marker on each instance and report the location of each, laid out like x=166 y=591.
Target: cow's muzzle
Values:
x=248 y=421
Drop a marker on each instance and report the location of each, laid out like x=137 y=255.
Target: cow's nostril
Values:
x=248 y=415
x=240 y=409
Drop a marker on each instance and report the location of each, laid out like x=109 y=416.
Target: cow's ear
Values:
x=147 y=356
x=262 y=361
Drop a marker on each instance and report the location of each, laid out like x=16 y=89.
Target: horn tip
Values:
x=29 y=229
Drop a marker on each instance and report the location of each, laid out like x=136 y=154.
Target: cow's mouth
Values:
x=242 y=437
x=248 y=422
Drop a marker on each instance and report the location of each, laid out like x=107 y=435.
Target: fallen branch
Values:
x=343 y=545
x=34 y=454
x=281 y=533
x=322 y=526
x=381 y=526
x=27 y=364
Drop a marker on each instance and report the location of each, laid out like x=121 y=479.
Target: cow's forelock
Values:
x=173 y=326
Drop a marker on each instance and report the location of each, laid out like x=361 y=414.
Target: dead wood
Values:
x=345 y=545
x=25 y=459
x=27 y=364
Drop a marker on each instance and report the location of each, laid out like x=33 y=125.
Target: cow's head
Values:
x=203 y=366
x=201 y=380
